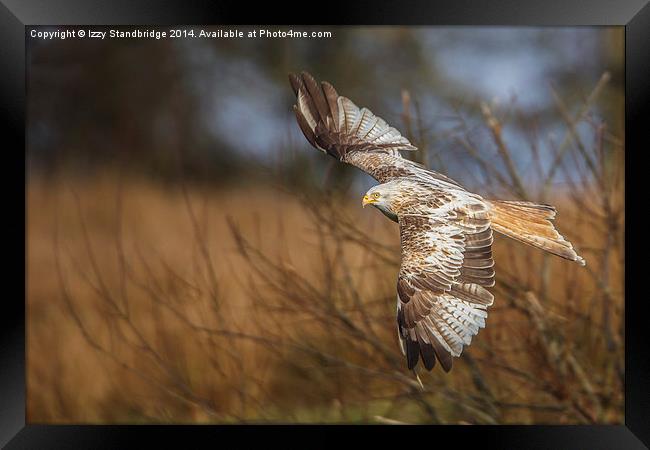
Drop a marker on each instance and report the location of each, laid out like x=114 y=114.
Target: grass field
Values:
x=154 y=304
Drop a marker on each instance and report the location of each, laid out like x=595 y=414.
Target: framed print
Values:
x=381 y=214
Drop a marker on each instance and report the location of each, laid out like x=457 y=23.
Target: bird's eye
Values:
x=375 y=195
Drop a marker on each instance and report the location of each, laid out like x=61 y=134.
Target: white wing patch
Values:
x=446 y=262
x=365 y=126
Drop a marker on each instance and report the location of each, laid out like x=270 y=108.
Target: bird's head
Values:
x=382 y=197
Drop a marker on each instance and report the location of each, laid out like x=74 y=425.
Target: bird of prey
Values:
x=445 y=231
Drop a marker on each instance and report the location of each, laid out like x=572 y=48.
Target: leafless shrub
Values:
x=319 y=343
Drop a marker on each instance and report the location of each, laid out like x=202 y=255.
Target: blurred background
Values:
x=191 y=259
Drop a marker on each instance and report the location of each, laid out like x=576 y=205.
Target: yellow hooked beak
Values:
x=367 y=201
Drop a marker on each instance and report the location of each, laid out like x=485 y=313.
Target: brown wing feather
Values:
x=446 y=265
x=318 y=98
x=335 y=125
x=332 y=100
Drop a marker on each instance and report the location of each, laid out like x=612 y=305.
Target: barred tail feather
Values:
x=531 y=224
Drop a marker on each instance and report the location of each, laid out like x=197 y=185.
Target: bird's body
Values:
x=445 y=231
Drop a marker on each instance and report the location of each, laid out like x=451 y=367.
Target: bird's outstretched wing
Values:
x=336 y=126
x=446 y=266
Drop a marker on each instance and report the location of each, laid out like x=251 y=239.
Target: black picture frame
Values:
x=16 y=15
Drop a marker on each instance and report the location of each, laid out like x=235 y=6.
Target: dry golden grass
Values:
x=141 y=309
x=179 y=303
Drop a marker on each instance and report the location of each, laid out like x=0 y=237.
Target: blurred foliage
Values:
x=216 y=110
